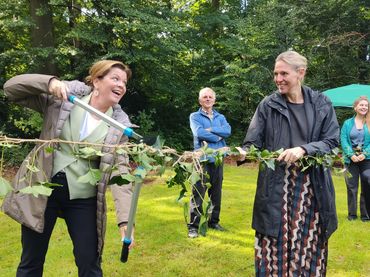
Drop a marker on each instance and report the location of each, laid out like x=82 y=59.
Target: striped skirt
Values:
x=299 y=249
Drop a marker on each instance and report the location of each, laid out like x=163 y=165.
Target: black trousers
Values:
x=214 y=193
x=80 y=217
x=360 y=170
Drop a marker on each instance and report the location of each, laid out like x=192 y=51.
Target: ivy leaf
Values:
x=194 y=177
x=161 y=170
x=265 y=153
x=5 y=187
x=91 y=177
x=37 y=190
x=49 y=185
x=278 y=152
x=218 y=159
x=203 y=226
x=145 y=161
x=88 y=153
x=159 y=143
x=182 y=194
x=186 y=211
x=123 y=179
x=168 y=159
x=270 y=163
x=49 y=149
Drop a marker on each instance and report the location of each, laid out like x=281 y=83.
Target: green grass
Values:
x=163 y=249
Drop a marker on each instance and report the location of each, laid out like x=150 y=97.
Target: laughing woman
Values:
x=294 y=211
x=81 y=204
x=355 y=141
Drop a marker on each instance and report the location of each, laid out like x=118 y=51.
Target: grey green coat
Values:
x=31 y=91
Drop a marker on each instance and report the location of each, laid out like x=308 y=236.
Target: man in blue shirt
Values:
x=210 y=127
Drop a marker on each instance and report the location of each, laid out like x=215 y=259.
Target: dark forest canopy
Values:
x=177 y=47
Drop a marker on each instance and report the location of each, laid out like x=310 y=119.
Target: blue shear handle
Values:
x=128 y=132
x=125 y=250
x=71 y=98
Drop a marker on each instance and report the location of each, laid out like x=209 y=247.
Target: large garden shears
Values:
x=131 y=134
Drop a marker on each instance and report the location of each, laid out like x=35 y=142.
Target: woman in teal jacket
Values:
x=355 y=141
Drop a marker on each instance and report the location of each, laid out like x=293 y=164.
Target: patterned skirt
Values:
x=299 y=249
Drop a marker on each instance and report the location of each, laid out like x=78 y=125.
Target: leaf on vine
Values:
x=49 y=185
x=182 y=194
x=5 y=187
x=186 y=211
x=218 y=159
x=187 y=166
x=270 y=163
x=37 y=190
x=159 y=143
x=168 y=159
x=91 y=177
x=123 y=179
x=265 y=153
x=203 y=226
x=161 y=170
x=146 y=161
x=88 y=153
x=49 y=149
x=194 y=177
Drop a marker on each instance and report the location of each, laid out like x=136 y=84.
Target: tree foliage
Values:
x=177 y=47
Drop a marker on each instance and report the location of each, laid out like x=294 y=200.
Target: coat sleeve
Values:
x=200 y=132
x=32 y=90
x=345 y=140
x=328 y=138
x=122 y=195
x=256 y=130
x=29 y=90
x=224 y=130
x=366 y=147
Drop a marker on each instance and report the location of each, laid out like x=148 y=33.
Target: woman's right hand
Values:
x=58 y=89
x=355 y=159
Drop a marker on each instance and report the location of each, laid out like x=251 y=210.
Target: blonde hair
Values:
x=367 y=116
x=102 y=68
x=294 y=59
x=203 y=90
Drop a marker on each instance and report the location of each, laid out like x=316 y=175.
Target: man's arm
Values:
x=200 y=132
x=224 y=130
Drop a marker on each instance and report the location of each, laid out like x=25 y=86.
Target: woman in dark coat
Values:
x=294 y=211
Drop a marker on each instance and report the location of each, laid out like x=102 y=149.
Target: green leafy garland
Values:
x=187 y=168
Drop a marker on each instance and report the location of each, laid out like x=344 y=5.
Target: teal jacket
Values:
x=346 y=144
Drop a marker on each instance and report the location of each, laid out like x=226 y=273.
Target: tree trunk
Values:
x=215 y=4
x=42 y=33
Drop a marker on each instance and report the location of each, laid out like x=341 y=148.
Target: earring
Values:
x=96 y=92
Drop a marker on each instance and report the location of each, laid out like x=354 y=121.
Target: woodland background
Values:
x=177 y=47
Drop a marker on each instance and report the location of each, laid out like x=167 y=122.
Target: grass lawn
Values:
x=163 y=249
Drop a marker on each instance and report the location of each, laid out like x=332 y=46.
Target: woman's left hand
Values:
x=361 y=157
x=291 y=155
